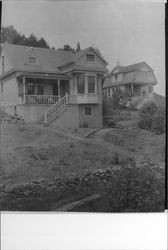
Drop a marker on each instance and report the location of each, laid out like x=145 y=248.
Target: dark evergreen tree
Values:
x=12 y=36
x=78 y=47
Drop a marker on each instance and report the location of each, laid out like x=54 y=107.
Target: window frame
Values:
x=77 y=82
x=95 y=85
x=32 y=57
x=89 y=56
x=37 y=88
x=27 y=86
x=84 y=109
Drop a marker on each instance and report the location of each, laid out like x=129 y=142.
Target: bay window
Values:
x=91 y=84
x=80 y=84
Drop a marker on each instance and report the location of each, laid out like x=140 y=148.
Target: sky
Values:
x=125 y=31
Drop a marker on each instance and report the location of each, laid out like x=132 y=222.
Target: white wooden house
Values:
x=138 y=79
x=46 y=85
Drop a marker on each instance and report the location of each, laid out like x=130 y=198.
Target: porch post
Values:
x=59 y=89
x=132 y=88
x=24 y=89
x=86 y=83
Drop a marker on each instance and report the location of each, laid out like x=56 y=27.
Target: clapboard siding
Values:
x=7 y=64
x=10 y=92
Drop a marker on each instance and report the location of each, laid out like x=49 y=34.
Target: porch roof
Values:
x=41 y=75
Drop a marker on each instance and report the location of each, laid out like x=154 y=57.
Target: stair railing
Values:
x=55 y=109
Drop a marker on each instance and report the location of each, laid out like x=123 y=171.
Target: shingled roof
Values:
x=139 y=73
x=48 y=59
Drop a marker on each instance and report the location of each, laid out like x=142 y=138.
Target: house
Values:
x=46 y=85
x=137 y=79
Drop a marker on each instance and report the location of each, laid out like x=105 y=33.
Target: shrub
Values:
x=153 y=118
x=159 y=121
x=146 y=115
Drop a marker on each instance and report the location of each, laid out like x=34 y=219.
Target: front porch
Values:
x=35 y=90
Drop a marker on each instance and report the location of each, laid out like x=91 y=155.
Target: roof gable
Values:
x=28 y=54
x=77 y=56
x=142 y=66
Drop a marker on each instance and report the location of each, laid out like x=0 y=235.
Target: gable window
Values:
x=87 y=111
x=32 y=60
x=91 y=84
x=90 y=57
x=80 y=84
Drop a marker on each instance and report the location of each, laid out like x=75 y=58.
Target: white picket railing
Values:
x=51 y=113
x=41 y=99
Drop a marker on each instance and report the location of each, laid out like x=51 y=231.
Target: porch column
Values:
x=59 y=89
x=24 y=89
x=132 y=89
x=97 y=79
x=86 y=84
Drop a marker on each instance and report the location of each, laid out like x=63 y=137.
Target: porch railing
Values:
x=41 y=99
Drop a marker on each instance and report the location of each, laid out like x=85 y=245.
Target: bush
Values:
x=152 y=118
x=159 y=121
x=146 y=115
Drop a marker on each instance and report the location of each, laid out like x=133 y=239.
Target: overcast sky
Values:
x=131 y=31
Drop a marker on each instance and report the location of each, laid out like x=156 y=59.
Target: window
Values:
x=30 y=88
x=90 y=57
x=91 y=84
x=80 y=84
x=150 y=89
x=116 y=77
x=39 y=89
x=2 y=87
x=108 y=92
x=32 y=60
x=88 y=111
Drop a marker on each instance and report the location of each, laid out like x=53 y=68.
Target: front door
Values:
x=64 y=87
x=55 y=87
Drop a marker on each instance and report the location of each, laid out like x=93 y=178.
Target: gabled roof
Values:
x=141 y=66
x=76 y=56
x=49 y=60
x=139 y=73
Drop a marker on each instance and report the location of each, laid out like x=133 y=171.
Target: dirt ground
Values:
x=35 y=152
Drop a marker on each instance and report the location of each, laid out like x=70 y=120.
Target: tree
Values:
x=8 y=34
x=78 y=47
x=12 y=36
